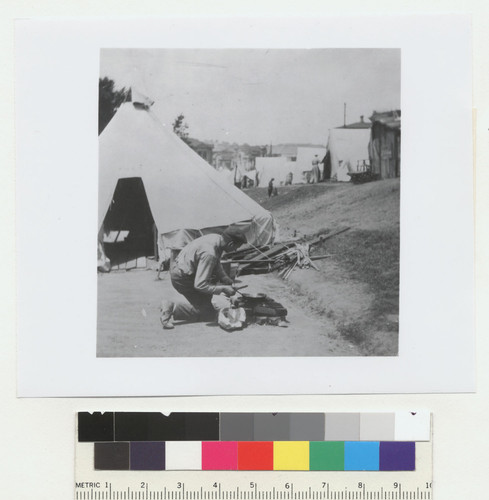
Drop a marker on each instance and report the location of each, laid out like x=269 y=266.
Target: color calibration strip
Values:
x=256 y=456
x=254 y=441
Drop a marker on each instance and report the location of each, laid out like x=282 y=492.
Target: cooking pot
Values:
x=253 y=298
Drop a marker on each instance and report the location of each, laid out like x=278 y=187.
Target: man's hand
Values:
x=228 y=291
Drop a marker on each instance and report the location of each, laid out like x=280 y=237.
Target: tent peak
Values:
x=140 y=101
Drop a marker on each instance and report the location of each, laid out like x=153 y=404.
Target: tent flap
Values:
x=259 y=231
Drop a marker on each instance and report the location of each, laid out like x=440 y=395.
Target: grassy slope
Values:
x=368 y=252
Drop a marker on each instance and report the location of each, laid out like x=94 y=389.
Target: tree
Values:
x=180 y=127
x=109 y=99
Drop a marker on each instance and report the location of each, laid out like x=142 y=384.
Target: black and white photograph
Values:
x=248 y=202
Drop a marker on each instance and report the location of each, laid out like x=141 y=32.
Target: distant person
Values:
x=270 y=187
x=316 y=172
x=191 y=276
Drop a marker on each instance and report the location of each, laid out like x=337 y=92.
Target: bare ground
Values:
x=128 y=324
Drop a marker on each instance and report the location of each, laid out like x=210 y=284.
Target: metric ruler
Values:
x=256 y=486
x=91 y=483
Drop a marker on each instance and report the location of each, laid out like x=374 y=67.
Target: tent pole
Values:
x=155 y=242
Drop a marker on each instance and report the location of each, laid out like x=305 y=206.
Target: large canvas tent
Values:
x=229 y=176
x=155 y=191
x=347 y=148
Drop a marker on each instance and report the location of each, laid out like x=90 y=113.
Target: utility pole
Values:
x=344 y=115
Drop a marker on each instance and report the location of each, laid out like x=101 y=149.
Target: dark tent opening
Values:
x=327 y=166
x=129 y=228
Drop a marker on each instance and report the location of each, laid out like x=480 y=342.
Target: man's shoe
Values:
x=166 y=314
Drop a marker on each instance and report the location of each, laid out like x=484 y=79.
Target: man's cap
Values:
x=234 y=234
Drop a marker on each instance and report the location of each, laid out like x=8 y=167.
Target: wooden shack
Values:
x=385 y=144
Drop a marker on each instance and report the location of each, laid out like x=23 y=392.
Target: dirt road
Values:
x=128 y=324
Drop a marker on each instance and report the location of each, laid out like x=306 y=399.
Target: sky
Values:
x=260 y=96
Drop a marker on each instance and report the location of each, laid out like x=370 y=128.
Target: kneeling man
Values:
x=191 y=275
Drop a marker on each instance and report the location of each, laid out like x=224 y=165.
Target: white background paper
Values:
x=38 y=434
x=57 y=171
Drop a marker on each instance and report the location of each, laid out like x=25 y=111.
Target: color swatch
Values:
x=397 y=456
x=147 y=455
x=361 y=455
x=220 y=455
x=183 y=455
x=236 y=427
x=291 y=455
x=327 y=455
x=255 y=455
x=111 y=456
x=342 y=426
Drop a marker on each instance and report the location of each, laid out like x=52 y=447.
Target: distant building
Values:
x=244 y=160
x=385 y=144
x=201 y=148
x=229 y=156
x=288 y=151
x=223 y=159
x=246 y=156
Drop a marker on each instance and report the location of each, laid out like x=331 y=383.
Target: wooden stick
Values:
x=245 y=261
x=290 y=270
x=274 y=250
x=309 y=262
x=324 y=238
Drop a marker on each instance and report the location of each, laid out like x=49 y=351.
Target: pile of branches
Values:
x=280 y=257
